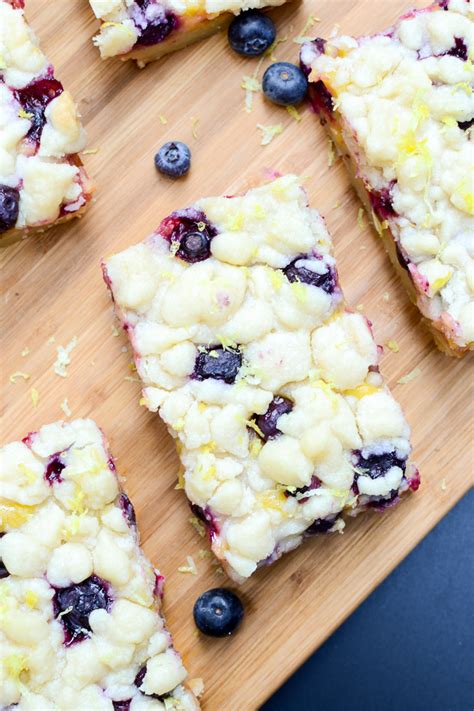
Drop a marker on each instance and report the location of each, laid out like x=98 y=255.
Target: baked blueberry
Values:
x=218 y=363
x=189 y=234
x=128 y=510
x=376 y=465
x=9 y=204
x=297 y=272
x=459 y=50
x=267 y=423
x=34 y=99
x=218 y=612
x=54 y=469
x=155 y=30
x=321 y=525
x=284 y=83
x=251 y=33
x=73 y=605
x=3 y=571
x=173 y=159
x=464 y=125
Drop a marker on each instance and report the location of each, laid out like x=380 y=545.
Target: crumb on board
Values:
x=360 y=307
x=294 y=113
x=51 y=340
x=204 y=553
x=331 y=153
x=63 y=359
x=115 y=331
x=196 y=686
x=132 y=378
x=190 y=567
x=409 y=376
x=443 y=485
x=386 y=296
x=34 y=397
x=65 y=407
x=336 y=205
x=393 y=345
x=360 y=218
x=90 y=151
x=251 y=85
x=163 y=119
x=18 y=375
x=197 y=525
x=269 y=132
x=25 y=352
x=194 y=124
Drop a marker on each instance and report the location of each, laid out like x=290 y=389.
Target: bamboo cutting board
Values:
x=52 y=286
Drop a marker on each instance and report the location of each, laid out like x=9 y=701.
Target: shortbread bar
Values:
x=269 y=383
x=42 y=180
x=399 y=107
x=146 y=30
x=80 y=623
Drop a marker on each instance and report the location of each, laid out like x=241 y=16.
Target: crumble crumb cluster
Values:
x=147 y=29
x=80 y=625
x=400 y=106
x=42 y=180
x=268 y=382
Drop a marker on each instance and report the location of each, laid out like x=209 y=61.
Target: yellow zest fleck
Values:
x=197 y=525
x=294 y=113
x=202 y=407
x=17 y=375
x=194 y=123
x=31 y=598
x=142 y=402
x=327 y=388
x=35 y=397
x=449 y=121
x=360 y=308
x=336 y=205
x=204 y=553
x=72 y=526
x=25 y=352
x=163 y=119
x=13 y=515
x=259 y=211
x=300 y=291
x=269 y=132
x=393 y=345
x=226 y=342
x=441 y=281
x=464 y=86
x=360 y=218
x=76 y=503
x=361 y=391
x=421 y=111
x=409 y=376
x=208 y=448
x=115 y=331
x=90 y=152
x=255 y=447
x=236 y=222
x=331 y=153
x=178 y=426
x=24 y=114
x=190 y=567
x=277 y=278
x=253 y=426
x=132 y=378
x=269 y=52
x=443 y=486
x=15 y=665
x=29 y=473
x=386 y=296
x=272 y=500
x=302 y=38
x=465 y=192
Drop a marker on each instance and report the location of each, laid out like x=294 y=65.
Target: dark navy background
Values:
x=410 y=645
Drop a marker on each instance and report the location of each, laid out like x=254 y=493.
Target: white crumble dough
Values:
x=80 y=622
x=267 y=381
x=40 y=132
x=401 y=105
x=130 y=24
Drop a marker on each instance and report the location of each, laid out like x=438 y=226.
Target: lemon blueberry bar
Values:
x=145 y=30
x=400 y=108
x=80 y=623
x=42 y=181
x=268 y=382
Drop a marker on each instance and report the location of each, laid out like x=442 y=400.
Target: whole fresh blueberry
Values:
x=284 y=83
x=267 y=423
x=73 y=605
x=251 y=33
x=9 y=202
x=219 y=363
x=218 y=612
x=173 y=159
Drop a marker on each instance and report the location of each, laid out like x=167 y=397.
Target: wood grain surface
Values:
x=52 y=286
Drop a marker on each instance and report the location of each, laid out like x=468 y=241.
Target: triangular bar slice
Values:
x=145 y=30
x=42 y=180
x=80 y=622
x=399 y=107
x=268 y=381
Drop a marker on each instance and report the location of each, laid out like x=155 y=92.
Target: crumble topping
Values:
x=267 y=381
x=402 y=104
x=40 y=130
x=130 y=23
x=80 y=625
